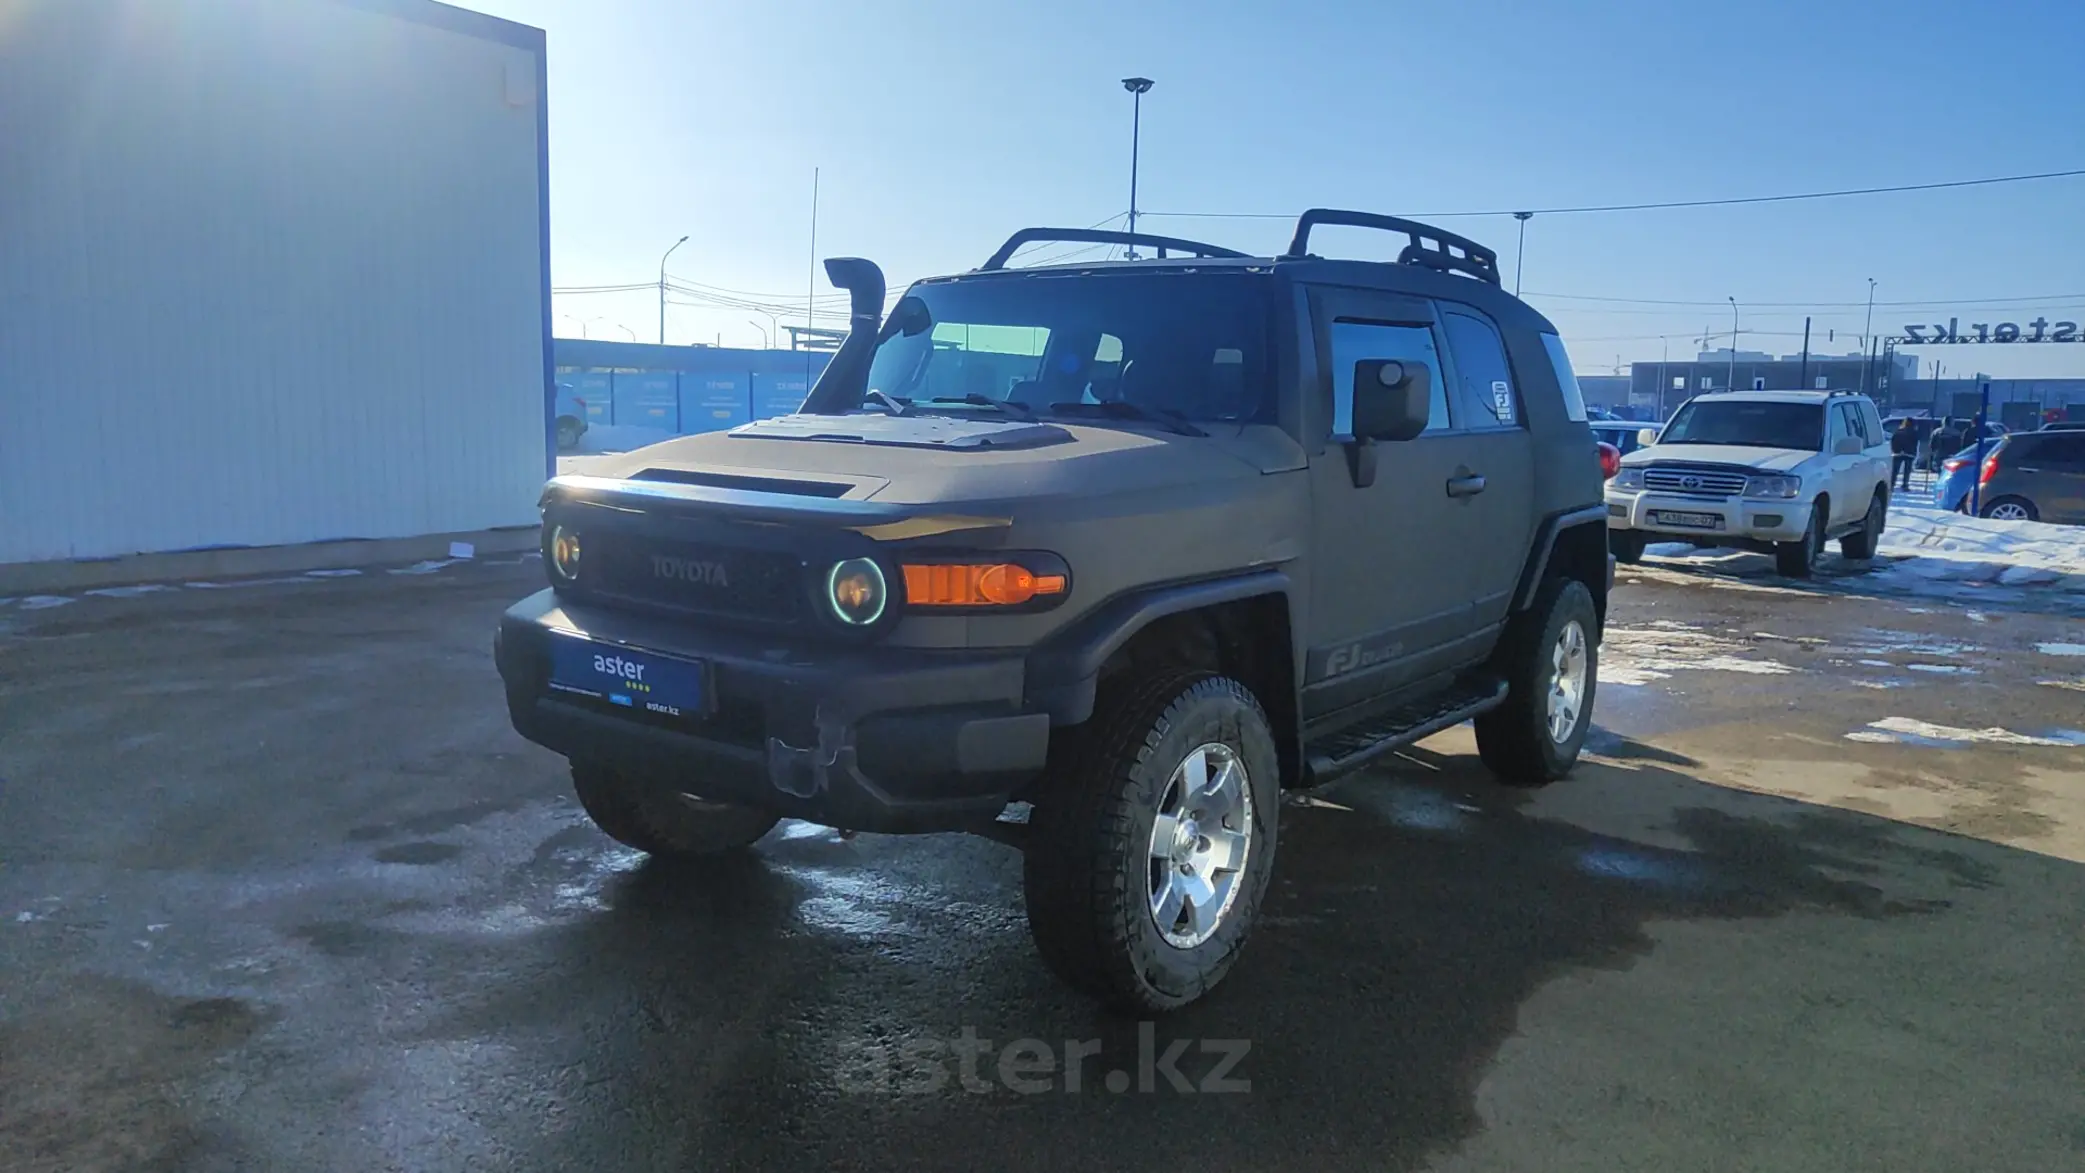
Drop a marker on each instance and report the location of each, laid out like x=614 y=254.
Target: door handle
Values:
x=1467 y=485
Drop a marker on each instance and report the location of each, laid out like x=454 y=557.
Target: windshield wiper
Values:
x=887 y=402
x=1123 y=409
x=975 y=400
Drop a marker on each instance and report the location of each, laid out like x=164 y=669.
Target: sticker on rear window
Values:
x=1502 y=399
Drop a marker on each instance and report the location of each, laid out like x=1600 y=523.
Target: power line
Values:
x=1646 y=207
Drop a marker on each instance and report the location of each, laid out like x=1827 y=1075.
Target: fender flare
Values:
x=1063 y=671
x=1545 y=545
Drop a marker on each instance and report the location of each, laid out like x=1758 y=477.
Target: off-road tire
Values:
x=1798 y=559
x=1513 y=740
x=1087 y=873
x=568 y=433
x=1862 y=542
x=1626 y=545
x=658 y=822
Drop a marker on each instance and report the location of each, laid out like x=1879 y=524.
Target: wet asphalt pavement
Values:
x=279 y=889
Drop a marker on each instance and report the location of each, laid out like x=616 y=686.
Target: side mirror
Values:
x=910 y=317
x=1647 y=437
x=1849 y=446
x=1391 y=398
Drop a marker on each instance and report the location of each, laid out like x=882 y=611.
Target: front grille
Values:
x=1694 y=482
x=724 y=581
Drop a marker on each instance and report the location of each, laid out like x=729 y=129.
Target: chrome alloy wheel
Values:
x=1567 y=682
x=1199 y=844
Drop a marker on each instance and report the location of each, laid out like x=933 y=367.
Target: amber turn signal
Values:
x=997 y=584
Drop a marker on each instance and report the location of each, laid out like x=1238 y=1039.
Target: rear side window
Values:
x=1574 y=399
x=1486 y=397
x=2065 y=449
x=1877 y=434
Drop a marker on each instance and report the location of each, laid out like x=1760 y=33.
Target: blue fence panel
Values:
x=648 y=399
x=714 y=400
x=778 y=394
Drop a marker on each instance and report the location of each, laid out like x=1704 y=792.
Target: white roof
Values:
x=1779 y=396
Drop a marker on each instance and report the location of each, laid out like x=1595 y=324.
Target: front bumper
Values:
x=871 y=739
x=1735 y=518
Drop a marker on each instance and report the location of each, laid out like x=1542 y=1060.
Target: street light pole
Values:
x=1730 y=380
x=1520 y=254
x=1867 y=333
x=1137 y=87
x=763 y=333
x=662 y=289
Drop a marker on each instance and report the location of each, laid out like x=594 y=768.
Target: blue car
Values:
x=1621 y=433
x=1956 y=474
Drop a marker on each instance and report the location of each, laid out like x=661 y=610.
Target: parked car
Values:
x=1951 y=486
x=1781 y=472
x=1625 y=435
x=571 y=418
x=1143 y=585
x=2033 y=476
x=2063 y=426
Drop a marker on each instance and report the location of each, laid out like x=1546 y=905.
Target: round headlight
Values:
x=857 y=592
x=564 y=553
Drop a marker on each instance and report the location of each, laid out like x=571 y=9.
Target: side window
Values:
x=2064 y=449
x=1486 y=398
x=1567 y=379
x=1354 y=341
x=1847 y=422
x=1877 y=434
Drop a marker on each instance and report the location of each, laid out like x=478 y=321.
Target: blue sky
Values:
x=938 y=127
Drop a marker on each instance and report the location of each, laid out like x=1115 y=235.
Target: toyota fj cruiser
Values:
x=1780 y=472
x=1127 y=547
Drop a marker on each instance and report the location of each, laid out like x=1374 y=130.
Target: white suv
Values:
x=1776 y=471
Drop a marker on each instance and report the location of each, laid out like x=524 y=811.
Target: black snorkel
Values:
x=845 y=379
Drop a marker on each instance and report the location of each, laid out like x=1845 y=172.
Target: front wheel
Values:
x=1862 y=542
x=1550 y=658
x=1626 y=545
x=1153 y=840
x=1798 y=558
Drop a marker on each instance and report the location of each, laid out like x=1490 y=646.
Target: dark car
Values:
x=2034 y=476
x=1625 y=435
x=1129 y=548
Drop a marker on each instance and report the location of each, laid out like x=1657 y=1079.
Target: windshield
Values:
x=1751 y=423
x=1106 y=347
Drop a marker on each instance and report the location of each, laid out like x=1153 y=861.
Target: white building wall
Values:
x=271 y=271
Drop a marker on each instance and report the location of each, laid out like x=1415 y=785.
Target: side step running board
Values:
x=1350 y=750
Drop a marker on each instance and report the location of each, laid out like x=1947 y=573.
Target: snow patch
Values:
x=2059 y=649
x=1639 y=655
x=1907 y=731
x=43 y=602
x=1942 y=669
x=128 y=592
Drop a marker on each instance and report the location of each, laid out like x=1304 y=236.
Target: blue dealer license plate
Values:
x=633 y=679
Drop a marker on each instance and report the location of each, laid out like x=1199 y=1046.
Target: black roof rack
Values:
x=1104 y=236
x=1429 y=247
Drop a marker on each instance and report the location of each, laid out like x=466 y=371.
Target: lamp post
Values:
x=763 y=333
x=1137 y=87
x=1867 y=332
x=1730 y=380
x=1520 y=254
x=662 y=289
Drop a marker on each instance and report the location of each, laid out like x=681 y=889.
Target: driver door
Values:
x=1389 y=587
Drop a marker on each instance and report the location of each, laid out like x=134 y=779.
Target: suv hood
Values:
x=1767 y=459
x=912 y=461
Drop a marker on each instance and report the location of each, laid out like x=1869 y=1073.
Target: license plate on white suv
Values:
x=1687 y=520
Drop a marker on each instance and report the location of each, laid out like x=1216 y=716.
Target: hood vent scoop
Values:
x=718 y=480
x=907 y=431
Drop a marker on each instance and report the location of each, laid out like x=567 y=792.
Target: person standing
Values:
x=1903 y=454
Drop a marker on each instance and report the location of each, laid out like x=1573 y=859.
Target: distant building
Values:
x=1663 y=386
